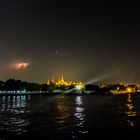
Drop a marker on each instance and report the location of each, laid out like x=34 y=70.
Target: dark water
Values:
x=70 y=117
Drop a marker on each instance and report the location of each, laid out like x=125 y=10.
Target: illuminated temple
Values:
x=61 y=82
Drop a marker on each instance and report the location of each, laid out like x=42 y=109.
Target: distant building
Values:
x=61 y=82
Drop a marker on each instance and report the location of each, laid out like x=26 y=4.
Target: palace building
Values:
x=61 y=82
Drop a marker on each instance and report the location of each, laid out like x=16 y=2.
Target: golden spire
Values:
x=62 y=79
x=52 y=79
x=48 y=82
x=59 y=80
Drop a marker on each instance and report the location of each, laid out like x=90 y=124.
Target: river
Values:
x=68 y=117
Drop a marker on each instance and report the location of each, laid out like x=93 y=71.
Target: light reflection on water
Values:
x=80 y=116
x=63 y=110
x=10 y=118
x=14 y=104
x=71 y=120
x=69 y=117
x=130 y=110
x=79 y=112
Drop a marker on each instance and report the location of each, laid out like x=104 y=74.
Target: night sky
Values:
x=83 y=40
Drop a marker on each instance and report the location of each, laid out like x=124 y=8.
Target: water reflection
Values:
x=80 y=116
x=12 y=114
x=14 y=104
x=130 y=110
x=63 y=111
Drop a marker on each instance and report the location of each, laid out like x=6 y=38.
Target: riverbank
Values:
x=61 y=93
x=49 y=94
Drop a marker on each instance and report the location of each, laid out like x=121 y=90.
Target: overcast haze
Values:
x=81 y=40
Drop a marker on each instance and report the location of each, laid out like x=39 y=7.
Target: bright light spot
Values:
x=78 y=87
x=19 y=65
x=56 y=52
x=129 y=89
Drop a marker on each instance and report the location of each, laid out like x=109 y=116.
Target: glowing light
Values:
x=61 y=82
x=78 y=87
x=129 y=89
x=100 y=78
x=21 y=65
x=18 y=65
x=130 y=110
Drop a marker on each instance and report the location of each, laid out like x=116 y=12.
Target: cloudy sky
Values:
x=82 y=40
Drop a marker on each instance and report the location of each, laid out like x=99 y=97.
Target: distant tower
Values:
x=62 y=79
x=52 y=79
x=48 y=82
x=59 y=81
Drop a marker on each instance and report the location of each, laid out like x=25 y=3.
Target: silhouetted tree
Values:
x=71 y=87
x=44 y=87
x=10 y=85
x=93 y=88
x=63 y=88
x=52 y=87
x=1 y=85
